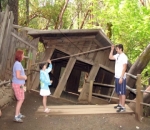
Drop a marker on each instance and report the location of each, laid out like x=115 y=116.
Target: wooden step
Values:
x=81 y=109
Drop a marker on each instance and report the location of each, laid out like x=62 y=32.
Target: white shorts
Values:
x=45 y=92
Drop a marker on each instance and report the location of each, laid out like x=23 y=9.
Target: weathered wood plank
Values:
x=81 y=31
x=139 y=99
x=80 y=109
x=48 y=53
x=23 y=40
x=1 y=16
x=95 y=68
x=3 y=26
x=64 y=77
x=6 y=43
x=32 y=59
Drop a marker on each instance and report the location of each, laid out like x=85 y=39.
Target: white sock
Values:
x=16 y=115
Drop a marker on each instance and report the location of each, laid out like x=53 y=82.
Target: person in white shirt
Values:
x=121 y=61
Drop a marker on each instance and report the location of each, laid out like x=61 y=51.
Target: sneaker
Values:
x=21 y=116
x=121 y=109
x=117 y=107
x=47 y=110
x=17 y=119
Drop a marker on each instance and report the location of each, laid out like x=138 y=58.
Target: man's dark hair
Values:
x=120 y=46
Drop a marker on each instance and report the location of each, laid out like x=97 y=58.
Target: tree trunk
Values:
x=84 y=19
x=109 y=28
x=13 y=4
x=0 y=6
x=72 y=22
x=137 y=68
x=59 y=19
x=27 y=12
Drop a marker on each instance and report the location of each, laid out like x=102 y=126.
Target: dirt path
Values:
x=71 y=122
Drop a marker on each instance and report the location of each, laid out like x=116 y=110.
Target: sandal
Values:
x=47 y=110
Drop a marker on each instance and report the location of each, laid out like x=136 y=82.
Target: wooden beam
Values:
x=92 y=75
x=81 y=109
x=78 y=54
x=22 y=40
x=4 y=82
x=48 y=54
x=116 y=98
x=64 y=77
x=3 y=25
x=97 y=43
x=107 y=68
x=23 y=28
x=61 y=31
x=67 y=38
x=32 y=60
x=86 y=60
x=139 y=99
x=78 y=58
x=90 y=91
x=6 y=43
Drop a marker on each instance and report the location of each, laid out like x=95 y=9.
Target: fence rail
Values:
x=137 y=91
x=5 y=82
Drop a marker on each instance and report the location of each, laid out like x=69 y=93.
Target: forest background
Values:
x=123 y=21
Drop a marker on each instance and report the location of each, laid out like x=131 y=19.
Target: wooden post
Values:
x=139 y=98
x=90 y=91
x=48 y=54
x=29 y=69
x=95 y=68
x=64 y=78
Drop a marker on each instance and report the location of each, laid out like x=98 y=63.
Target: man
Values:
x=120 y=75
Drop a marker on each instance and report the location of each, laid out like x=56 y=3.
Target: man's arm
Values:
x=111 y=57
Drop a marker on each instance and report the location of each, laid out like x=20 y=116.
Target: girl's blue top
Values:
x=45 y=78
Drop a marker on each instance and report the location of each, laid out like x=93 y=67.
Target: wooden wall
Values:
x=11 y=39
x=103 y=73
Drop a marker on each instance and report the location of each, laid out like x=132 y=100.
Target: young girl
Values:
x=45 y=82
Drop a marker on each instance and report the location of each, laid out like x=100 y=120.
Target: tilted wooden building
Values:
x=77 y=52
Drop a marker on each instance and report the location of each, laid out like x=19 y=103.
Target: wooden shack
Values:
x=75 y=53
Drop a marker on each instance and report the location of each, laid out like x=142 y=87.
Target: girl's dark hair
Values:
x=120 y=46
x=41 y=66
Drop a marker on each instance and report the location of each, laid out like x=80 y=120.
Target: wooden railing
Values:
x=138 y=91
x=4 y=82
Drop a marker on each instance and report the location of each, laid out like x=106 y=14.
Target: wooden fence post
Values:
x=90 y=91
x=29 y=70
x=139 y=99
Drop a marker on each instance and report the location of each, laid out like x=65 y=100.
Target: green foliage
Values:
x=130 y=20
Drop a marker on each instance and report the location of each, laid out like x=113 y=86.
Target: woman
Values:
x=18 y=82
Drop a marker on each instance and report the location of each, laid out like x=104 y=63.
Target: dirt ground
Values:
x=34 y=121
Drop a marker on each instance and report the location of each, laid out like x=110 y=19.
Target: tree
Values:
x=13 y=4
x=59 y=19
x=27 y=12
